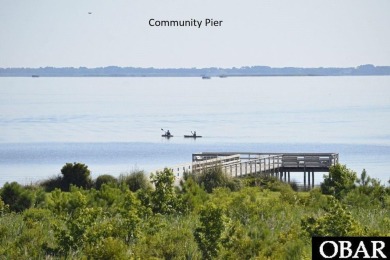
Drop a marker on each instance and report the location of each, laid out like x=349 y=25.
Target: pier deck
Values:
x=280 y=165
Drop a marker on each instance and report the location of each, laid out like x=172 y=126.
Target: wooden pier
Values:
x=279 y=165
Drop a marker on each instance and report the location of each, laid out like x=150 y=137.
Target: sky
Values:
x=276 y=33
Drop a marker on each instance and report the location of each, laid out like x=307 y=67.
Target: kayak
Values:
x=192 y=136
x=167 y=136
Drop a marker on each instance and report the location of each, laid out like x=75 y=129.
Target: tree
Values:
x=208 y=234
x=192 y=194
x=364 y=178
x=76 y=174
x=339 y=182
x=370 y=193
x=164 y=199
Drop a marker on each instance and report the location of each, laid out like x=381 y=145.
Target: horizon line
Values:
x=198 y=68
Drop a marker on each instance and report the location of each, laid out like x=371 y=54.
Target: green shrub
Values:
x=76 y=174
x=215 y=177
x=339 y=181
x=370 y=192
x=208 y=234
x=107 y=195
x=167 y=237
x=192 y=194
x=52 y=183
x=294 y=186
x=16 y=197
x=108 y=249
x=316 y=199
x=36 y=215
x=287 y=194
x=66 y=203
x=266 y=182
x=164 y=198
x=4 y=208
x=78 y=230
x=274 y=184
x=336 y=221
x=236 y=242
x=135 y=180
x=105 y=179
x=235 y=184
x=251 y=223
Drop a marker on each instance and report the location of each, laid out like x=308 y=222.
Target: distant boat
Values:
x=206 y=77
x=222 y=76
x=167 y=136
x=35 y=76
x=192 y=136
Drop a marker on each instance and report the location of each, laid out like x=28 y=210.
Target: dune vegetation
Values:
x=210 y=216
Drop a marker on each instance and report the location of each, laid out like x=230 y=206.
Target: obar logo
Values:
x=351 y=248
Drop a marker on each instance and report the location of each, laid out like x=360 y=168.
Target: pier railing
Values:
x=239 y=164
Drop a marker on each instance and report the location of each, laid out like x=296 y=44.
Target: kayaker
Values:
x=168 y=133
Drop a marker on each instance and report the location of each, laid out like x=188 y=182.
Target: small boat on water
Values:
x=206 y=77
x=193 y=135
x=166 y=134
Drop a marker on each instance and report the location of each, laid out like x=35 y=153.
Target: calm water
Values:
x=114 y=124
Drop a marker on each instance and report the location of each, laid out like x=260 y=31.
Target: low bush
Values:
x=135 y=180
x=215 y=177
x=105 y=179
x=268 y=221
x=16 y=197
x=76 y=174
x=51 y=183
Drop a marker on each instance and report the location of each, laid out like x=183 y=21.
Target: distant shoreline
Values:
x=179 y=76
x=254 y=71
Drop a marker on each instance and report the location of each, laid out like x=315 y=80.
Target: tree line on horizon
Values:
x=112 y=71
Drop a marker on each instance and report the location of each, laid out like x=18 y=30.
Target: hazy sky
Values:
x=278 y=33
